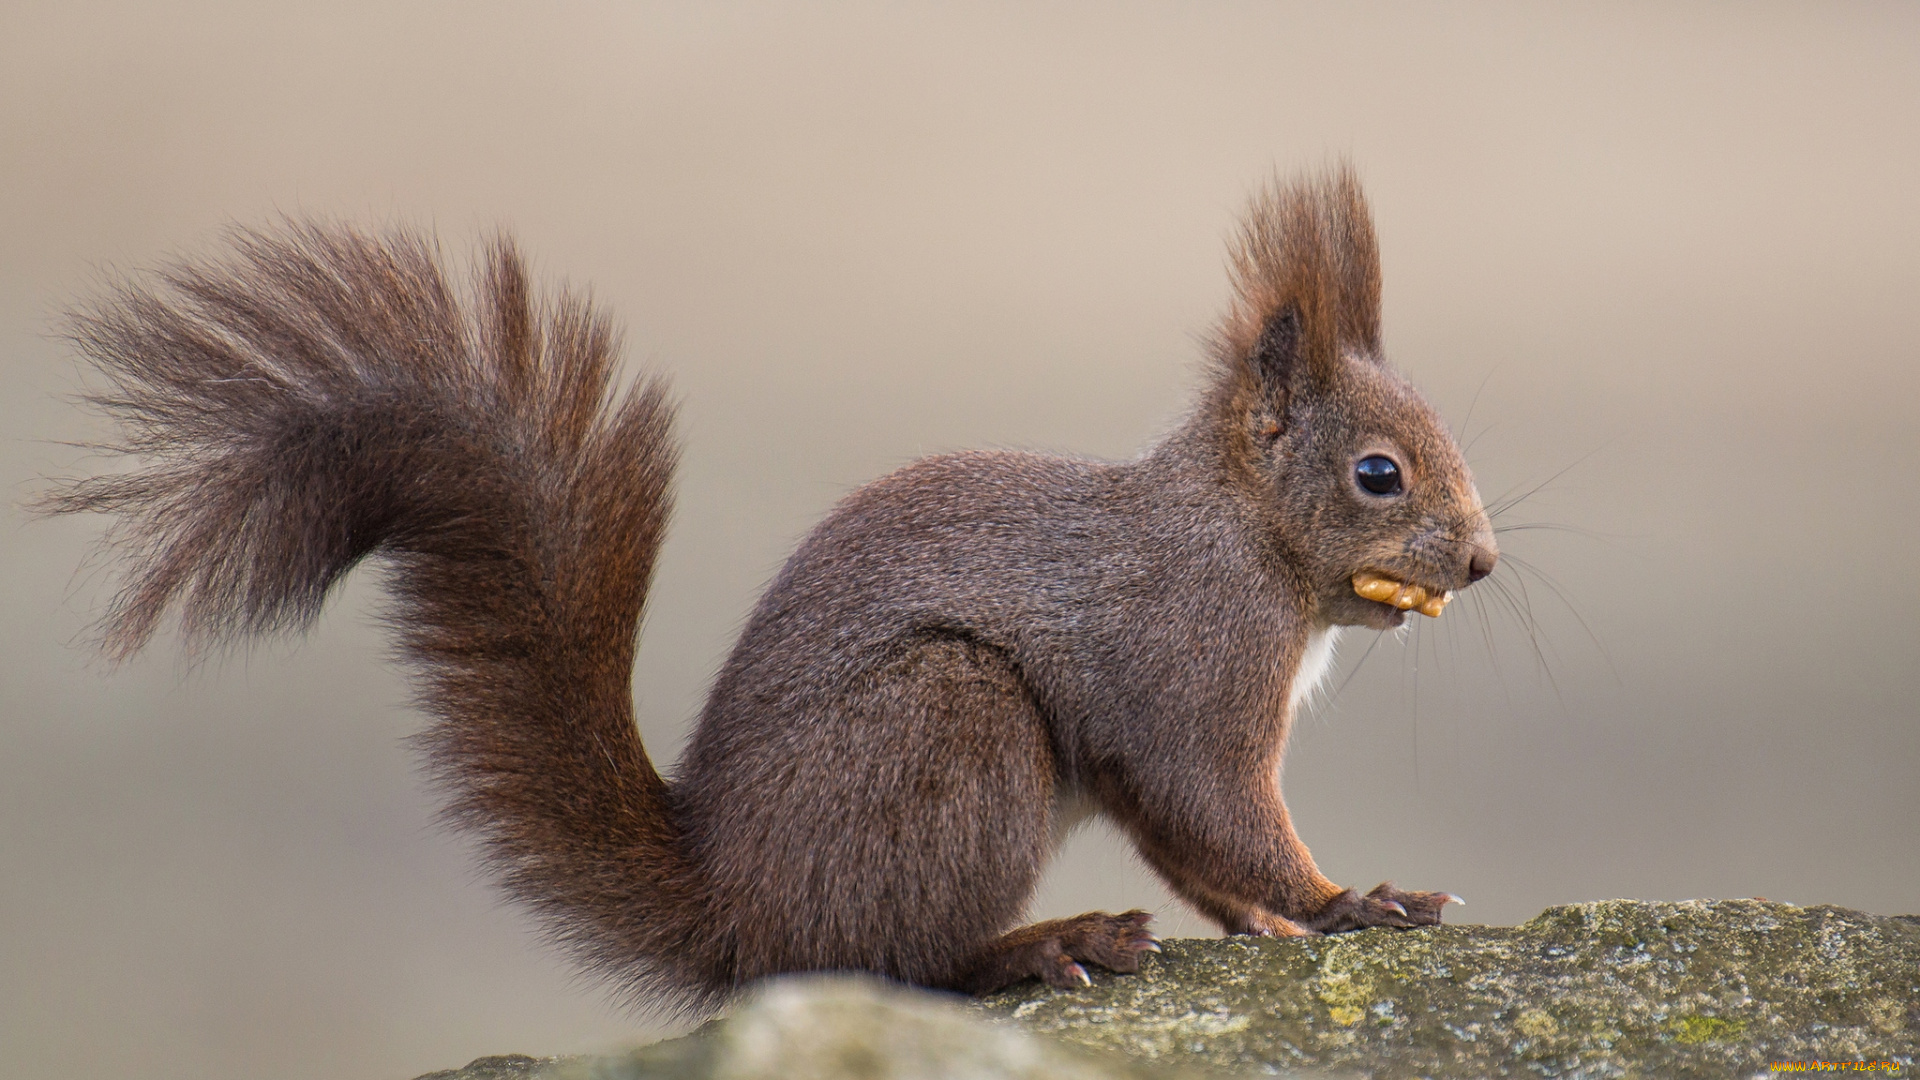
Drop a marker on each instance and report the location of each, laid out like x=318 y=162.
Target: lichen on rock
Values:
x=1621 y=988
x=1617 y=988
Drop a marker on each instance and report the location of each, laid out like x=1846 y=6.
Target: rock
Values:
x=1620 y=988
x=504 y=1067
x=846 y=1028
x=1614 y=989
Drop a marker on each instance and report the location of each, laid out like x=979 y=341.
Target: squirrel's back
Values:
x=1088 y=596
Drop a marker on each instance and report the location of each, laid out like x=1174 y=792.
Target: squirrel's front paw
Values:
x=1384 y=906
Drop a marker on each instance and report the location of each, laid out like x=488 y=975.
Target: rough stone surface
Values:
x=1615 y=989
x=829 y=1028
x=504 y=1067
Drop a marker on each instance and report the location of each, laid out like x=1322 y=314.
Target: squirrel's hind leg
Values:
x=988 y=766
x=898 y=829
x=1056 y=951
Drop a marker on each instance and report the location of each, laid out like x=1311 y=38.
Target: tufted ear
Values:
x=1306 y=286
x=1277 y=356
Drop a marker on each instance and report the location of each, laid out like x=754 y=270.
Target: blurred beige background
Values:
x=1667 y=256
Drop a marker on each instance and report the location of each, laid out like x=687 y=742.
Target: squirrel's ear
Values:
x=1277 y=355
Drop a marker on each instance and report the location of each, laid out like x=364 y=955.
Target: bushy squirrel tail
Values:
x=324 y=395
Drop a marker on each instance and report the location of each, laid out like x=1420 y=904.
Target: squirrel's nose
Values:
x=1481 y=564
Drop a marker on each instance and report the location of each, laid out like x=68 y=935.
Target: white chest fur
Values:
x=1316 y=662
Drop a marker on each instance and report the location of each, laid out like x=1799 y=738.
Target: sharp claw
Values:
x=1396 y=907
x=1452 y=899
x=1080 y=973
x=1149 y=946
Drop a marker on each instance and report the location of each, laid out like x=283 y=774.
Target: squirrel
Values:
x=959 y=652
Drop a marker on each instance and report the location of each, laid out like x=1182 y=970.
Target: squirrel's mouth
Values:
x=1399 y=594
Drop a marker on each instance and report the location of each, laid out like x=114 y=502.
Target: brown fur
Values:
x=873 y=781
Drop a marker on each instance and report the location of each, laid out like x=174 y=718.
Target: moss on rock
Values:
x=1615 y=989
x=1611 y=989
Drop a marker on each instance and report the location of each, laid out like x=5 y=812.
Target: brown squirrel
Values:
x=960 y=650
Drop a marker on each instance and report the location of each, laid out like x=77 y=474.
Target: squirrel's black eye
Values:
x=1378 y=475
